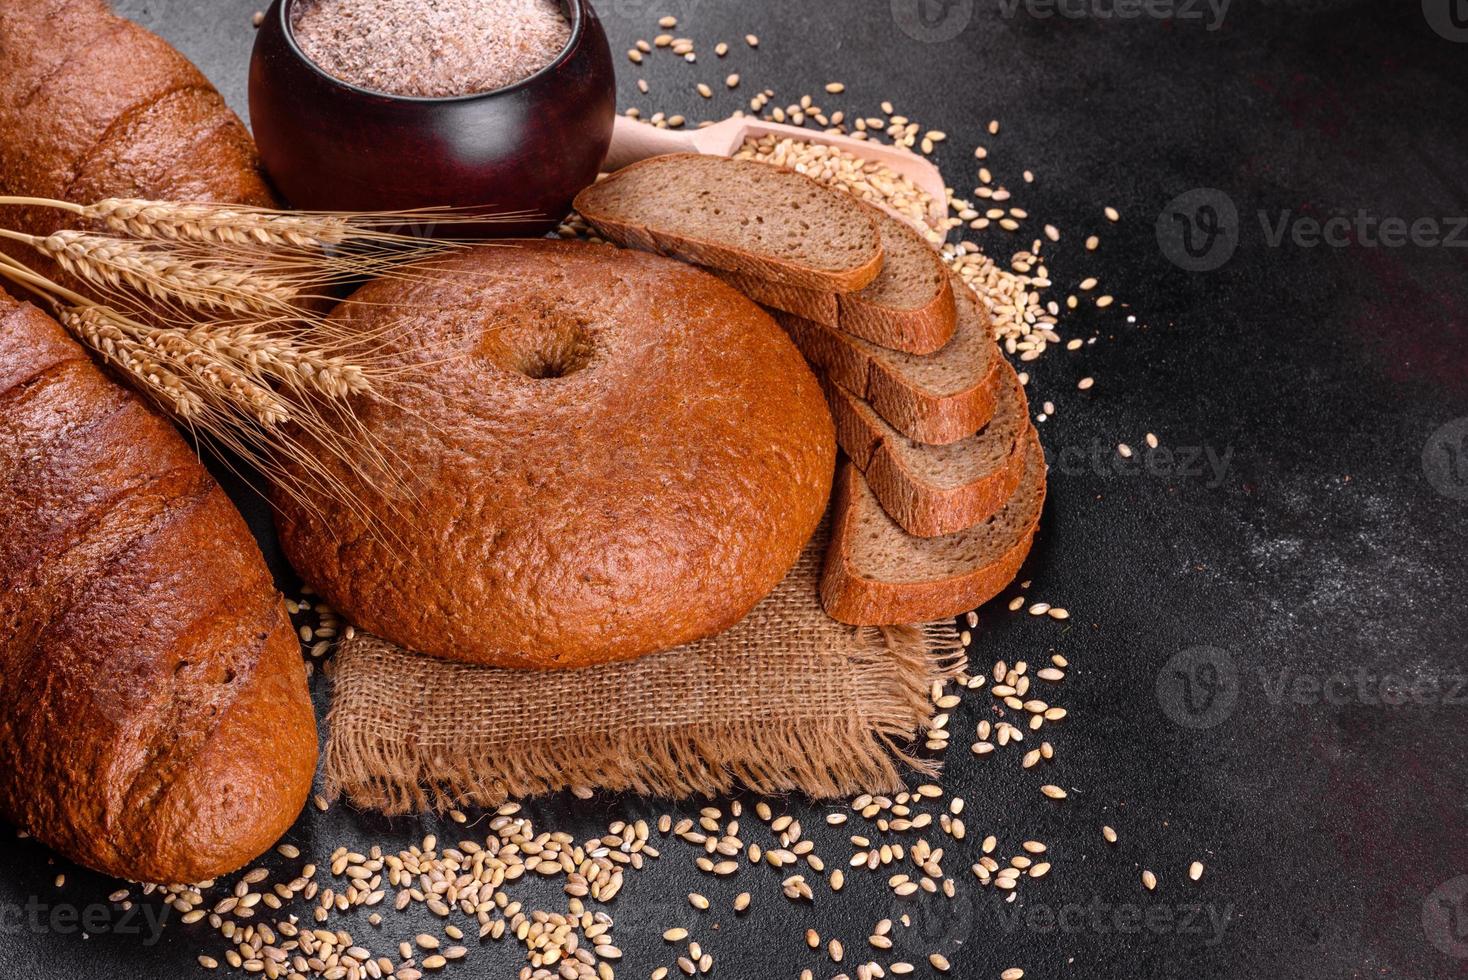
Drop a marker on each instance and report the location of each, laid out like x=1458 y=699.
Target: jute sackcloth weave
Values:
x=787 y=700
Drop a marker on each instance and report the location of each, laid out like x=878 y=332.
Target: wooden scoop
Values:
x=633 y=141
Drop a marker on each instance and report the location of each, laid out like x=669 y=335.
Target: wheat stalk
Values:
x=191 y=377
x=99 y=331
x=215 y=312
x=242 y=226
x=143 y=351
x=280 y=358
x=164 y=275
x=219 y=224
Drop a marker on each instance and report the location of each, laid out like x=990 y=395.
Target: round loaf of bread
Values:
x=609 y=453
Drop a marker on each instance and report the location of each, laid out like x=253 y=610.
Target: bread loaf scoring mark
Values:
x=113 y=569
x=116 y=26
x=121 y=124
x=125 y=161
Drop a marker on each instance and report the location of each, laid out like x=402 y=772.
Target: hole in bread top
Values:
x=539 y=341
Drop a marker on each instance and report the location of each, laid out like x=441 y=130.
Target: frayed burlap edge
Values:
x=862 y=748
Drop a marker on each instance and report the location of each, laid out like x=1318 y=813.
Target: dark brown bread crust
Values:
x=618 y=453
x=879 y=377
x=852 y=594
x=154 y=717
x=923 y=506
x=94 y=106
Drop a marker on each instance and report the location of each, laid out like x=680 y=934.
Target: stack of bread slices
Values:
x=939 y=497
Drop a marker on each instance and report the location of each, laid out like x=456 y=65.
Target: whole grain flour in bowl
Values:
x=430 y=48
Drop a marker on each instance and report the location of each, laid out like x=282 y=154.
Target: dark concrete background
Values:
x=1332 y=551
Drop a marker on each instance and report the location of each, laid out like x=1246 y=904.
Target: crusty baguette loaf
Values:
x=154 y=718
x=877 y=574
x=908 y=307
x=934 y=490
x=935 y=398
x=94 y=106
x=738 y=215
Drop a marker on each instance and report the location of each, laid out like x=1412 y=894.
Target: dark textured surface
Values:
x=1329 y=825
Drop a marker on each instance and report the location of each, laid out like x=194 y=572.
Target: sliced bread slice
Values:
x=936 y=398
x=877 y=574
x=811 y=304
x=908 y=307
x=935 y=490
x=738 y=215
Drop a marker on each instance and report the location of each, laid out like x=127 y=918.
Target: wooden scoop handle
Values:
x=633 y=141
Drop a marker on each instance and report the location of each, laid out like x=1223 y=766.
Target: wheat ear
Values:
x=211 y=311
x=165 y=276
x=99 y=331
x=220 y=224
x=211 y=378
x=280 y=358
x=242 y=226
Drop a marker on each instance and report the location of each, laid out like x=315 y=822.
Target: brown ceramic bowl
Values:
x=529 y=147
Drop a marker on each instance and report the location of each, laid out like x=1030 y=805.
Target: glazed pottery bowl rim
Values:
x=579 y=18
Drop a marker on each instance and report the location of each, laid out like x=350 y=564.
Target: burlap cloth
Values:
x=787 y=700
